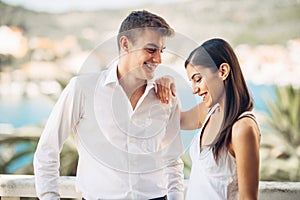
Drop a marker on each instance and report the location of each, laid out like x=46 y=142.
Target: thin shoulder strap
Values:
x=251 y=116
x=210 y=112
x=248 y=114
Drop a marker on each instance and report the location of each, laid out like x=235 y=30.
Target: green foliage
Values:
x=285 y=115
x=281 y=146
x=11 y=153
x=187 y=165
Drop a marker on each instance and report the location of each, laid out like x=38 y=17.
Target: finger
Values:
x=166 y=90
x=166 y=94
x=160 y=93
x=173 y=89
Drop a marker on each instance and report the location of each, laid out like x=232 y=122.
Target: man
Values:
x=128 y=141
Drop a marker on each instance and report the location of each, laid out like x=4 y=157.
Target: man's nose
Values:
x=157 y=57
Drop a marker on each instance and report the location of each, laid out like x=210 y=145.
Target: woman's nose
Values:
x=196 y=89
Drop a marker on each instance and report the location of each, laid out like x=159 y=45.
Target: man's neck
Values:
x=132 y=86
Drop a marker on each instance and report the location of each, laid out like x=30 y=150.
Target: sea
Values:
x=35 y=111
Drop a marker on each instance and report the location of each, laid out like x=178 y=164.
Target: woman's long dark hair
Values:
x=212 y=54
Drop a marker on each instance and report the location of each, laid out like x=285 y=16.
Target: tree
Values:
x=19 y=148
x=17 y=152
x=284 y=123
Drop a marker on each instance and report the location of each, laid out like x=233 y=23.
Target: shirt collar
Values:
x=112 y=77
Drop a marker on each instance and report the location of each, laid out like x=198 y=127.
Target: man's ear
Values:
x=124 y=42
x=224 y=70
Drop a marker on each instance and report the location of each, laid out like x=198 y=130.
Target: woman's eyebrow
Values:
x=195 y=75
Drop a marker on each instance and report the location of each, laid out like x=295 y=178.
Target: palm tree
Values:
x=14 y=149
x=17 y=154
x=284 y=123
x=20 y=147
x=285 y=114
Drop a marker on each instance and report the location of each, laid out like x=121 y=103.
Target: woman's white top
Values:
x=209 y=180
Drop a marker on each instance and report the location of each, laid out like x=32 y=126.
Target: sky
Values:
x=64 y=5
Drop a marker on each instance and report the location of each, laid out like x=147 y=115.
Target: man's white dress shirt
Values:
x=123 y=153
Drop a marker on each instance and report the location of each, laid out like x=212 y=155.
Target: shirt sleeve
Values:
x=175 y=181
x=65 y=114
x=174 y=170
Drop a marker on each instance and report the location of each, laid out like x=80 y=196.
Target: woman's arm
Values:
x=190 y=119
x=193 y=118
x=245 y=147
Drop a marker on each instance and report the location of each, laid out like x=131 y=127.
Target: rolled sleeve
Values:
x=174 y=170
x=175 y=196
x=63 y=117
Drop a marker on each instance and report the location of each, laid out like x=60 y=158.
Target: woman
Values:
x=225 y=152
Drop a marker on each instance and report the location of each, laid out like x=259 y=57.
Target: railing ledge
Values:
x=279 y=190
x=24 y=186
x=12 y=187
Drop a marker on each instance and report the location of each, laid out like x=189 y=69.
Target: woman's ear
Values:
x=224 y=71
x=124 y=43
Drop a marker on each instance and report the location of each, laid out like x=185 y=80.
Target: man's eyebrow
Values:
x=154 y=46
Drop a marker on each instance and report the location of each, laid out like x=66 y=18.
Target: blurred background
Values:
x=44 y=43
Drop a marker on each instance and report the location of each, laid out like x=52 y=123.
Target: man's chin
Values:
x=149 y=76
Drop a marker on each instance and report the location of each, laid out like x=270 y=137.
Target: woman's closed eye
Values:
x=197 y=79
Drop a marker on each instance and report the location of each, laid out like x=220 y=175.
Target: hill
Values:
x=239 y=21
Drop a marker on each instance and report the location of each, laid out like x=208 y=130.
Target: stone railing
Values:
x=13 y=187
